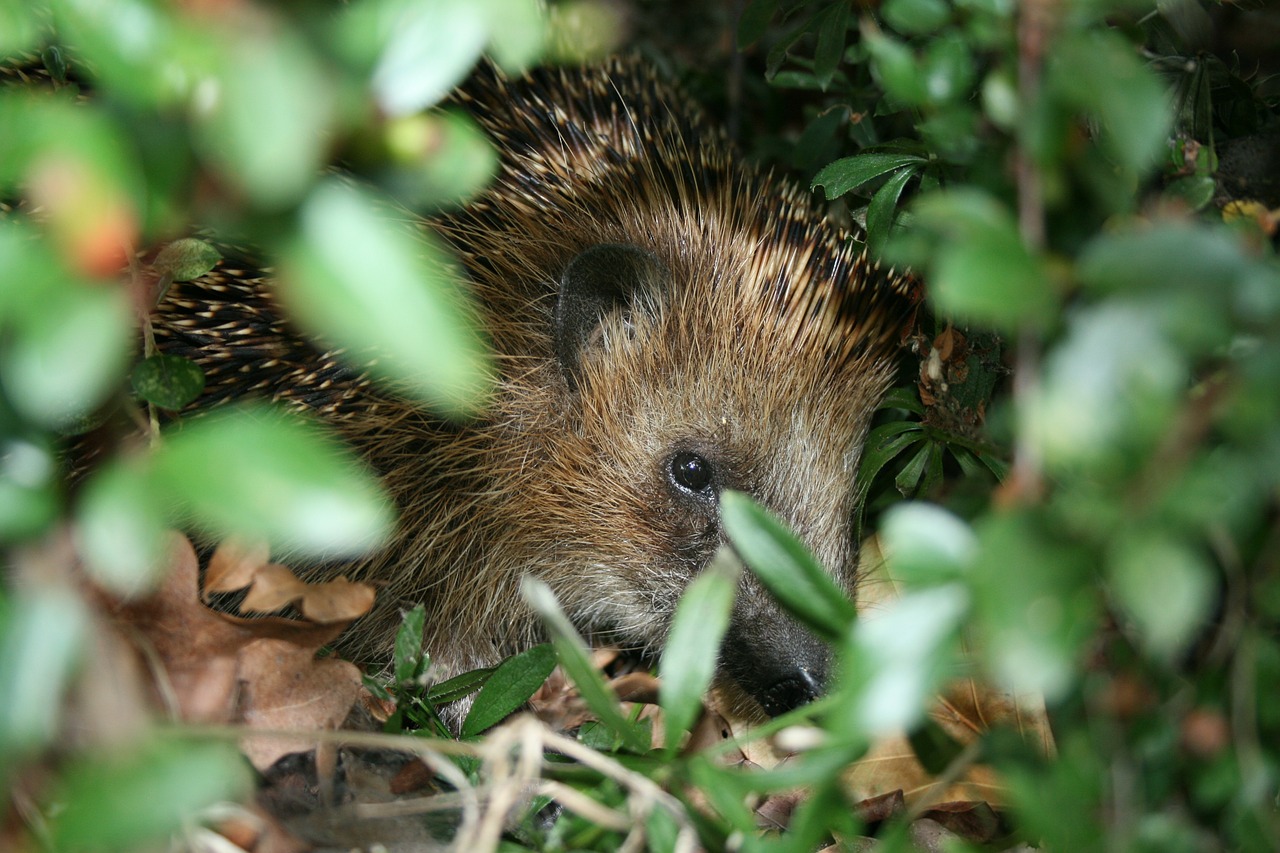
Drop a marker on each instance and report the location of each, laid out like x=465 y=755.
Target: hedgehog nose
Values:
x=790 y=692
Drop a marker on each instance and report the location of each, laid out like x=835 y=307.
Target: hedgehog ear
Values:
x=597 y=282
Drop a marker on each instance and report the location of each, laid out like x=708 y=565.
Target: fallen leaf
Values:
x=233 y=566
x=285 y=687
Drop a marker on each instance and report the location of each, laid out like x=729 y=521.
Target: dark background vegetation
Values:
x=1075 y=480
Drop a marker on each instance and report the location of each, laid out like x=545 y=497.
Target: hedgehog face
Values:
x=670 y=412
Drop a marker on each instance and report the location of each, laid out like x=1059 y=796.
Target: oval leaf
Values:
x=168 y=381
x=253 y=472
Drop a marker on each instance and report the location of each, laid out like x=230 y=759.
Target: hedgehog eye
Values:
x=691 y=472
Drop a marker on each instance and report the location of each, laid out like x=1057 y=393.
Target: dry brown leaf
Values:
x=274 y=588
x=224 y=669
x=196 y=647
x=285 y=687
x=338 y=600
x=233 y=566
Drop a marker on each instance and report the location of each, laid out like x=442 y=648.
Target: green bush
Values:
x=1084 y=496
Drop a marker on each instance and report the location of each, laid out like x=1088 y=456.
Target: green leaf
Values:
x=1169 y=256
x=428 y=48
x=785 y=566
x=833 y=27
x=1101 y=74
x=754 y=21
x=576 y=660
x=983 y=272
x=254 y=472
x=186 y=259
x=358 y=278
x=948 y=70
x=925 y=544
x=407 y=656
x=908 y=480
x=102 y=799
x=897 y=68
x=518 y=33
x=880 y=210
x=121 y=526
x=1196 y=191
x=19 y=28
x=459 y=686
x=1165 y=586
x=688 y=661
x=897 y=659
x=1035 y=600
x=509 y=687
x=849 y=173
x=30 y=487
x=66 y=353
x=916 y=17
x=270 y=127
x=42 y=631
x=168 y=381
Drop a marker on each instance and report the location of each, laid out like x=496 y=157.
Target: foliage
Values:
x=1051 y=169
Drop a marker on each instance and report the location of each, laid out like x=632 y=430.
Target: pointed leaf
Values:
x=849 y=173
x=510 y=686
x=689 y=660
x=785 y=566
x=576 y=661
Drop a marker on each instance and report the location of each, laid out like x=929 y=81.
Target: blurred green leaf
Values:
x=1115 y=375
x=67 y=350
x=122 y=519
x=849 y=173
x=519 y=33
x=897 y=69
x=983 y=272
x=926 y=544
x=19 y=27
x=29 y=487
x=1035 y=600
x=1165 y=587
x=1170 y=256
x=509 y=687
x=267 y=128
x=440 y=158
x=916 y=17
x=42 y=631
x=785 y=566
x=99 y=798
x=135 y=47
x=1101 y=74
x=168 y=381
x=689 y=658
x=359 y=278
x=424 y=48
x=948 y=68
x=897 y=659
x=576 y=660
x=253 y=472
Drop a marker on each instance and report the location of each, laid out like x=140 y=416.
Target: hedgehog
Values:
x=667 y=323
